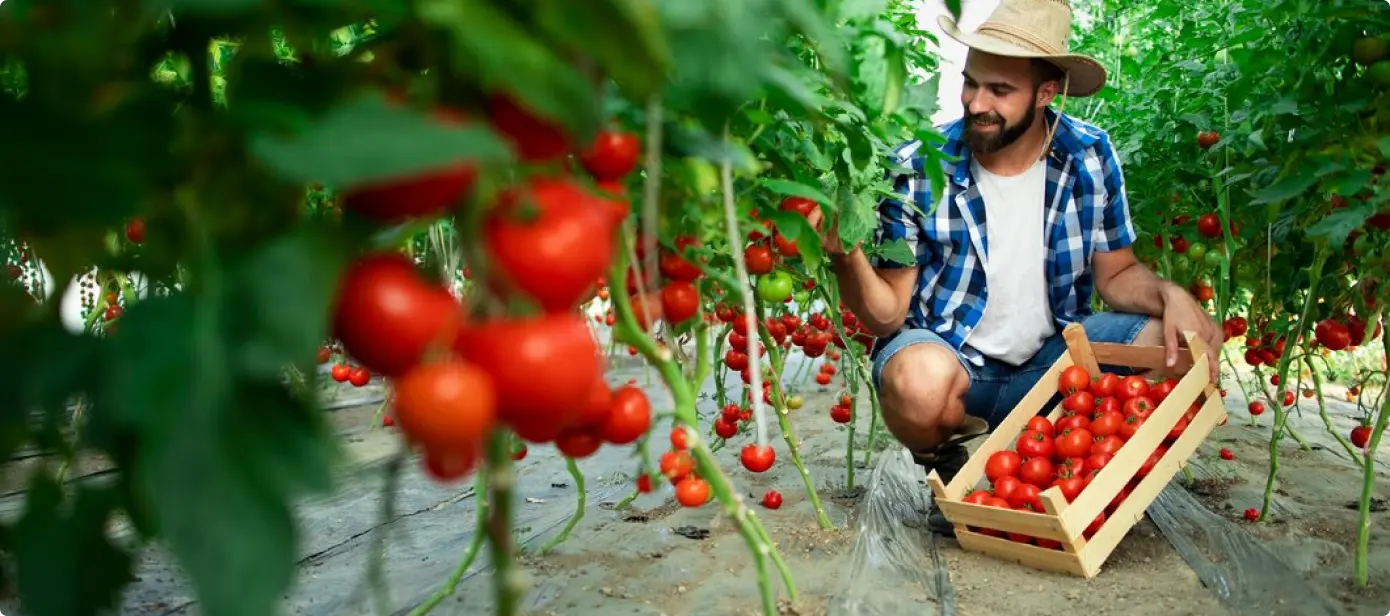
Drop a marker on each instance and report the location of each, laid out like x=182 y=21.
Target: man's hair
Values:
x=1044 y=71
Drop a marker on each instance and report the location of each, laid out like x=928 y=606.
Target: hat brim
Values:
x=1086 y=76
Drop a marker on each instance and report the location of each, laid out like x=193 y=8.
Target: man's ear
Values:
x=1046 y=93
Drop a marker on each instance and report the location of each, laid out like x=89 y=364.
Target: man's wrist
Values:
x=1167 y=290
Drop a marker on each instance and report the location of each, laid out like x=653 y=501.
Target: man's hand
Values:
x=829 y=236
x=1181 y=312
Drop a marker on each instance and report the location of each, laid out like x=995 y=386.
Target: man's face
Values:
x=1000 y=101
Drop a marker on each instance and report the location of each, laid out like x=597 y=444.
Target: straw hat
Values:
x=1033 y=29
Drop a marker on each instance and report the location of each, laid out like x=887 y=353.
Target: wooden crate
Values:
x=1065 y=522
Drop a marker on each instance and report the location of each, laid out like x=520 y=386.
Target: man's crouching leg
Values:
x=922 y=390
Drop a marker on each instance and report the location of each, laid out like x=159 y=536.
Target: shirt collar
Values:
x=1071 y=138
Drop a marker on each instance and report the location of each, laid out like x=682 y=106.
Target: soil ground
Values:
x=658 y=558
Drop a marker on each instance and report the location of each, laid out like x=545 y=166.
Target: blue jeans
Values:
x=997 y=387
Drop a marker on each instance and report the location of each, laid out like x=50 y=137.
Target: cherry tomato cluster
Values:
x=547 y=238
x=678 y=467
x=840 y=412
x=1099 y=416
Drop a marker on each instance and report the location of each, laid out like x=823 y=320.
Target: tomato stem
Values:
x=508 y=584
x=1326 y=420
x=451 y=584
x=1368 y=470
x=1281 y=415
x=874 y=421
x=581 y=500
x=750 y=308
x=788 y=434
x=376 y=562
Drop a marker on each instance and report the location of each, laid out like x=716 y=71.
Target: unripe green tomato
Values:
x=775 y=287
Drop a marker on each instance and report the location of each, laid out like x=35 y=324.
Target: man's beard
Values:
x=989 y=143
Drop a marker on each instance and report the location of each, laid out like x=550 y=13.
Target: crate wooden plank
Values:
x=1022 y=553
x=1148 y=357
x=1079 y=348
x=1009 y=520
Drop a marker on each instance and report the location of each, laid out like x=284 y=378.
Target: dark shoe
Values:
x=947 y=460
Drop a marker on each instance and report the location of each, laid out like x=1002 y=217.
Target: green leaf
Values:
x=365 y=140
x=796 y=228
x=858 y=218
x=852 y=10
x=1285 y=189
x=795 y=189
x=1384 y=145
x=896 y=79
x=507 y=57
x=1335 y=227
x=624 y=36
x=222 y=458
x=896 y=251
x=287 y=314
x=1352 y=182
x=67 y=565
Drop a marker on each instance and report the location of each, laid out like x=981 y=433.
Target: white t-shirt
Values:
x=1018 y=314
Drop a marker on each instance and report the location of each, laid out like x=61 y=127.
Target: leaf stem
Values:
x=581 y=500
x=451 y=584
x=508 y=582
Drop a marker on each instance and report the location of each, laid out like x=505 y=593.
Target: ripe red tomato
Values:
x=1041 y=424
x=1140 y=406
x=692 y=492
x=1107 y=445
x=135 y=231
x=758 y=259
x=1037 y=471
x=772 y=499
x=1073 y=421
x=425 y=194
x=1080 y=402
x=445 y=406
x=1070 y=487
x=1360 y=435
x=1160 y=390
x=1108 y=404
x=822 y=379
x=612 y=155
x=1206 y=139
x=1332 y=335
x=359 y=376
x=1006 y=486
x=800 y=205
x=1131 y=425
x=535 y=139
x=978 y=497
x=548 y=243
x=578 y=442
x=725 y=428
x=674 y=266
x=1097 y=461
x=1072 y=380
x=757 y=459
x=449 y=465
x=325 y=354
x=1257 y=408
x=1133 y=386
x=676 y=465
x=1107 y=385
x=1227 y=454
x=680 y=302
x=1288 y=398
x=1074 y=444
x=1027 y=496
x=1034 y=444
x=1107 y=424
x=644 y=484
x=630 y=418
x=387 y=315
x=595 y=406
x=680 y=437
x=1002 y=464
x=1209 y=225
x=340 y=372
x=517 y=353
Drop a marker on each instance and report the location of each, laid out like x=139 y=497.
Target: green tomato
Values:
x=802 y=298
x=1214 y=259
x=1197 y=251
x=775 y=288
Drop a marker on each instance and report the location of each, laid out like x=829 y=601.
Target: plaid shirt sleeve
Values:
x=1117 y=227
x=896 y=220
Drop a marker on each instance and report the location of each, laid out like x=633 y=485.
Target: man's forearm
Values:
x=867 y=294
x=1136 y=289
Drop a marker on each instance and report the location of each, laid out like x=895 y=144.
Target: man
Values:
x=1033 y=219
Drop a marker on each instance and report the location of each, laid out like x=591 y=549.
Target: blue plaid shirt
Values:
x=1087 y=211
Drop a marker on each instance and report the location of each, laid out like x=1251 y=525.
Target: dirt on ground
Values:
x=654 y=557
